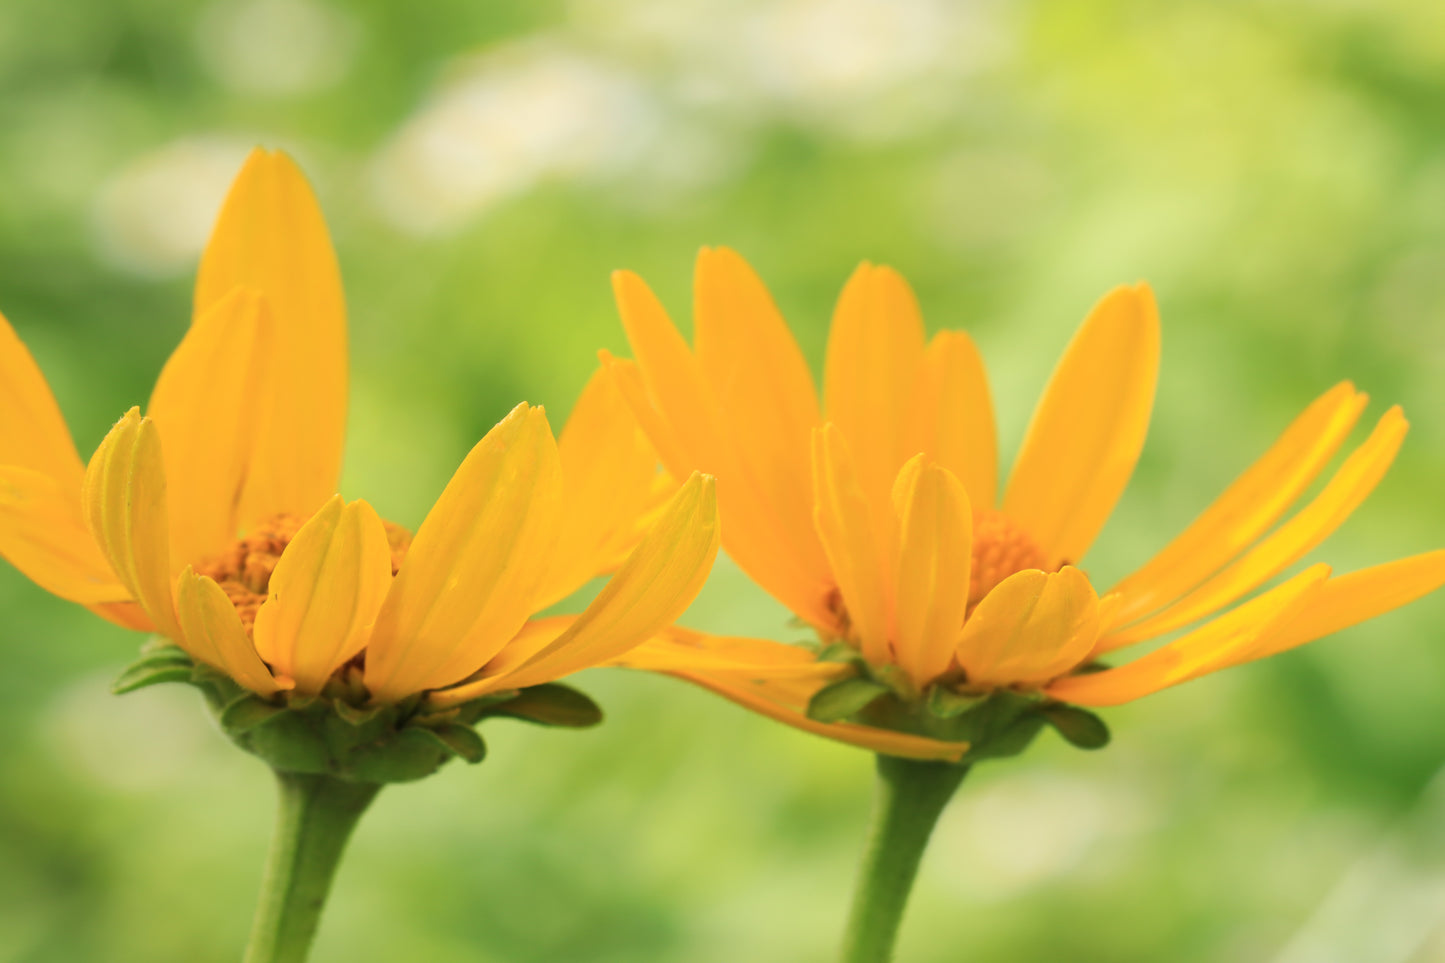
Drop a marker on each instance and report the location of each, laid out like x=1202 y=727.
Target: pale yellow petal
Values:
x=952 y=418
x=1354 y=481
x=875 y=347
x=472 y=573
x=1089 y=427
x=861 y=563
x=32 y=432
x=124 y=498
x=324 y=594
x=1247 y=508
x=1212 y=646
x=272 y=237
x=609 y=473
x=215 y=635
x=205 y=405
x=43 y=534
x=1033 y=627
x=935 y=528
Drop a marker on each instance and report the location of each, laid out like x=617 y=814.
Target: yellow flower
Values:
x=212 y=520
x=875 y=517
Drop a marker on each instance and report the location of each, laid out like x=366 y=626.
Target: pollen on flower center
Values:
x=1000 y=548
x=244 y=571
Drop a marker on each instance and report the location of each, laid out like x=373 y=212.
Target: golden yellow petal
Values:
x=852 y=537
x=324 y=594
x=1310 y=526
x=124 y=499
x=43 y=534
x=205 y=406
x=952 y=418
x=1212 y=646
x=1353 y=598
x=215 y=635
x=935 y=527
x=271 y=237
x=609 y=486
x=1247 y=508
x=1089 y=426
x=655 y=585
x=1032 y=627
x=32 y=432
x=875 y=347
x=472 y=573
x=675 y=405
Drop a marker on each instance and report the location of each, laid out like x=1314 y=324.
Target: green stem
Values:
x=911 y=796
x=313 y=822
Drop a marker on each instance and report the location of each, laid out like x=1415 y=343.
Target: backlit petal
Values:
x=1211 y=646
x=272 y=237
x=215 y=635
x=324 y=594
x=952 y=418
x=862 y=565
x=205 y=405
x=935 y=528
x=472 y=573
x=1089 y=427
x=1247 y=508
x=655 y=585
x=32 y=432
x=875 y=347
x=124 y=498
x=43 y=534
x=1354 y=481
x=1032 y=627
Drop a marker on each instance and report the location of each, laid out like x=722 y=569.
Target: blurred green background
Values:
x=1275 y=169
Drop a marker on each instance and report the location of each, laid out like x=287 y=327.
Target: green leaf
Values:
x=551 y=704
x=945 y=703
x=463 y=741
x=248 y=712
x=1079 y=727
x=842 y=699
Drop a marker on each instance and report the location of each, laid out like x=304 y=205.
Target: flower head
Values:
x=213 y=521
x=943 y=608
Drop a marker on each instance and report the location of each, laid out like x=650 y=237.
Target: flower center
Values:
x=1000 y=548
x=244 y=571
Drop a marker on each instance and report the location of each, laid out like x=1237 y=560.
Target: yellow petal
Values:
x=674 y=403
x=215 y=635
x=472 y=573
x=1209 y=647
x=1354 y=481
x=850 y=534
x=43 y=534
x=609 y=473
x=952 y=417
x=1032 y=627
x=654 y=586
x=875 y=347
x=272 y=237
x=935 y=527
x=124 y=498
x=1247 y=508
x=1087 y=431
x=324 y=594
x=32 y=432
x=1353 y=598
x=205 y=405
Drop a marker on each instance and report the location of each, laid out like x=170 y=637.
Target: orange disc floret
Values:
x=1000 y=548
x=244 y=571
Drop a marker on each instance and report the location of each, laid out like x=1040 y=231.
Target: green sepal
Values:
x=945 y=703
x=459 y=740
x=356 y=715
x=149 y=672
x=246 y=713
x=839 y=652
x=836 y=702
x=1078 y=726
x=549 y=704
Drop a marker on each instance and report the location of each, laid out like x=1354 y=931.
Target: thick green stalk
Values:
x=911 y=796
x=313 y=822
